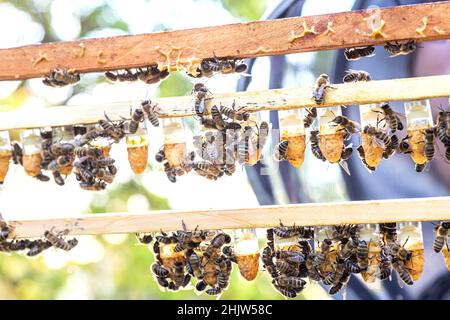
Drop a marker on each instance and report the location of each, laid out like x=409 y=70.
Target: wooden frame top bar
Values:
x=253 y=101
x=423 y=22
x=311 y=214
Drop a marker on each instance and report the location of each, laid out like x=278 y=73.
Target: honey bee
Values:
x=104 y=175
x=291 y=257
x=352 y=267
x=61 y=77
x=232 y=113
x=14 y=245
x=441 y=233
x=200 y=92
x=312 y=268
x=112 y=130
x=322 y=84
x=280 y=150
x=356 y=75
x=429 y=147
x=311 y=115
x=348 y=125
x=136 y=118
x=379 y=135
x=93 y=186
x=320 y=257
x=287 y=292
x=267 y=255
x=170 y=172
x=359 y=52
x=390 y=150
x=207 y=168
x=17 y=153
x=362 y=254
x=314 y=139
x=159 y=270
x=290 y=282
x=58 y=242
x=87 y=137
x=125 y=75
x=210 y=65
x=334 y=277
x=218 y=241
x=179 y=277
x=396 y=49
x=90 y=152
x=348 y=249
x=62 y=149
x=443 y=127
x=362 y=156
x=145 y=238
x=385 y=267
x=217 y=117
x=223 y=270
x=392 y=118
x=103 y=162
x=152 y=74
x=151 y=112
x=402 y=271
x=389 y=232
x=286 y=268
x=60 y=162
x=243 y=149
x=37 y=246
x=195 y=263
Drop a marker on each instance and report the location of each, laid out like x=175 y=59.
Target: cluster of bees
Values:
x=183 y=255
x=149 y=75
x=394 y=49
x=33 y=247
x=289 y=257
x=287 y=264
x=230 y=136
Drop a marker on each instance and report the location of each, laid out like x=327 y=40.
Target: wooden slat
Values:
x=313 y=214
x=244 y=40
x=277 y=99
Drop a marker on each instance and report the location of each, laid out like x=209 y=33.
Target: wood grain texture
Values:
x=243 y=40
x=253 y=101
x=313 y=214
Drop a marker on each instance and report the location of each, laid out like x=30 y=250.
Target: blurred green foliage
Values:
x=246 y=10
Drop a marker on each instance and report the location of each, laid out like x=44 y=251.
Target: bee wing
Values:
x=379 y=142
x=344 y=165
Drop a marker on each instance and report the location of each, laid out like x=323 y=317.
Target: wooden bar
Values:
x=311 y=214
x=253 y=101
x=423 y=22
